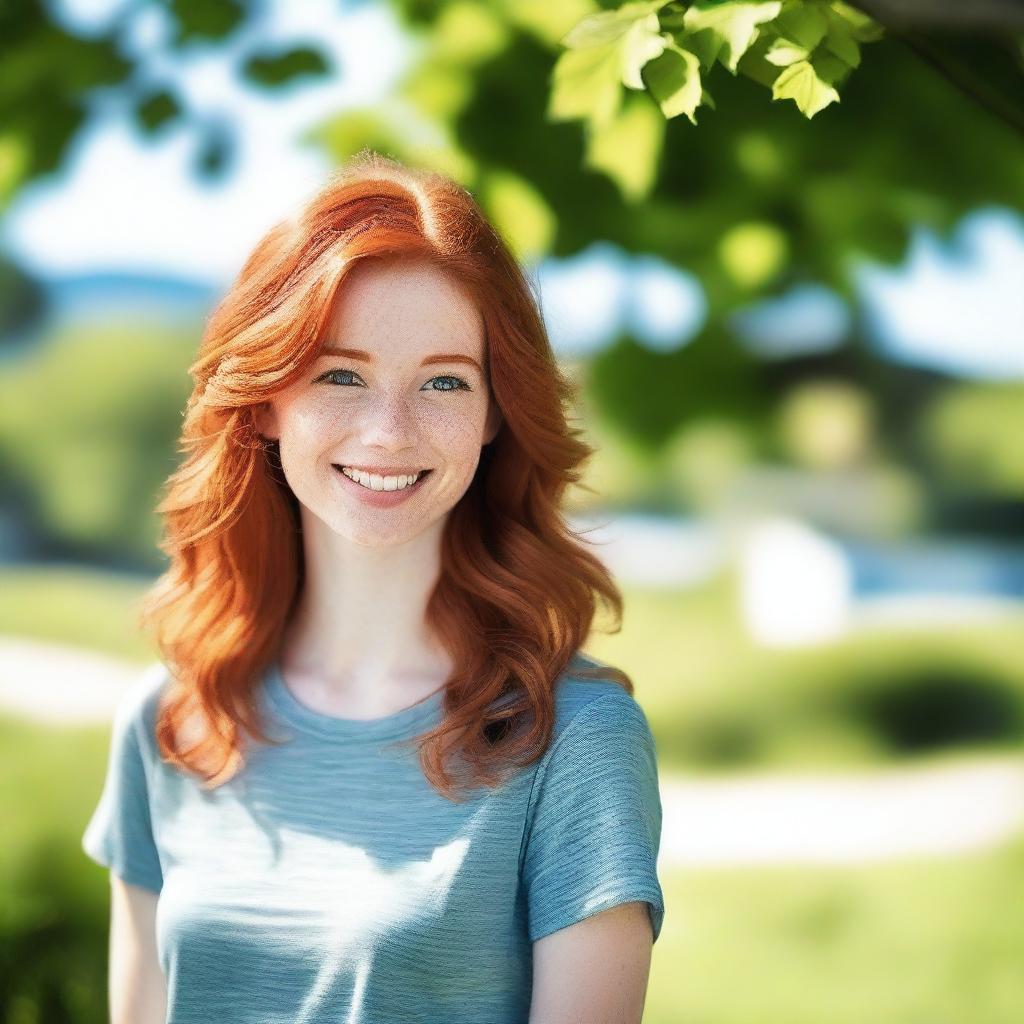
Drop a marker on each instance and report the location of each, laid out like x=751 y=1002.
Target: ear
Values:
x=265 y=417
x=493 y=422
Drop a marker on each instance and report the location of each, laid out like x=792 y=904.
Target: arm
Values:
x=595 y=970
x=137 y=990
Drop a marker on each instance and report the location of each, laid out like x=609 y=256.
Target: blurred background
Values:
x=796 y=314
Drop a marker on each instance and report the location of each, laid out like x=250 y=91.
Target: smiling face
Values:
x=398 y=387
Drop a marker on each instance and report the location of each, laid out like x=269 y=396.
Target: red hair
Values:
x=517 y=591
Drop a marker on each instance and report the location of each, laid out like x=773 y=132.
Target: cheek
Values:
x=305 y=431
x=310 y=423
x=457 y=431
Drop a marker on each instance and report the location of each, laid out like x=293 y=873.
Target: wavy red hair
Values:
x=517 y=592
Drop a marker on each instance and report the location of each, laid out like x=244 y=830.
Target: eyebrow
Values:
x=366 y=357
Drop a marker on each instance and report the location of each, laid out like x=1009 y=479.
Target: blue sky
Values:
x=133 y=204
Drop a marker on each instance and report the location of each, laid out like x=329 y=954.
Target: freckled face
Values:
x=385 y=408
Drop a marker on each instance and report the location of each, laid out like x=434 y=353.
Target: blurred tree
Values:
x=22 y=299
x=51 y=73
x=802 y=49
x=752 y=197
x=753 y=200
x=86 y=437
x=504 y=56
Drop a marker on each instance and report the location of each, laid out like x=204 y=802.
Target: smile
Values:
x=375 y=482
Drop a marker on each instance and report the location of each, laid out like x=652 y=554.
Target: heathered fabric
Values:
x=329 y=882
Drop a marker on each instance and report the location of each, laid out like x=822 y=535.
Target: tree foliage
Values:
x=758 y=144
x=52 y=74
x=801 y=49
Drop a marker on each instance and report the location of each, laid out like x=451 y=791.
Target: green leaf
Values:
x=754 y=65
x=705 y=44
x=673 y=79
x=627 y=147
x=800 y=83
x=606 y=50
x=845 y=48
x=609 y=26
x=733 y=26
x=671 y=16
x=830 y=69
x=784 y=52
x=840 y=42
x=862 y=27
x=586 y=83
x=642 y=43
x=802 y=22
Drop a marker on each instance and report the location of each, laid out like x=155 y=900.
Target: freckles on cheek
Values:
x=457 y=432
x=315 y=421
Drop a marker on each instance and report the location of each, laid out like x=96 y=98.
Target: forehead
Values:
x=405 y=305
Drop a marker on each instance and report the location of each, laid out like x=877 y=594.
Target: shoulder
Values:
x=599 y=773
x=591 y=709
x=139 y=705
x=579 y=696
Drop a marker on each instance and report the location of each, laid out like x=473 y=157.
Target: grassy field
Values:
x=914 y=942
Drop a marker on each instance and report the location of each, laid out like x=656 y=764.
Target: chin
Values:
x=365 y=535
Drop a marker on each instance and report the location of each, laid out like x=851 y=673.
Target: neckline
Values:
x=397 y=725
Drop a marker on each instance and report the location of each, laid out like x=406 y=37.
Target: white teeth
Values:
x=380 y=483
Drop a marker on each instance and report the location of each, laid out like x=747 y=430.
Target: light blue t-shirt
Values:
x=329 y=882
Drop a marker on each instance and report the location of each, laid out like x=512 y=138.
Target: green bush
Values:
x=54 y=901
x=88 y=472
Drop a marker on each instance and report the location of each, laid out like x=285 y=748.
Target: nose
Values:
x=388 y=422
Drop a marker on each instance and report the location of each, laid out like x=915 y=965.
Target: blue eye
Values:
x=459 y=383
x=330 y=373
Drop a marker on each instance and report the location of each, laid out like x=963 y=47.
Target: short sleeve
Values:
x=120 y=833
x=594 y=824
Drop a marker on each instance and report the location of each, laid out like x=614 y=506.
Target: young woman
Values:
x=372 y=777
